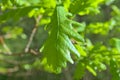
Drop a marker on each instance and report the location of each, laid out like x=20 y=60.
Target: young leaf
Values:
x=116 y=43
x=16 y=13
x=84 y=6
x=81 y=51
x=90 y=69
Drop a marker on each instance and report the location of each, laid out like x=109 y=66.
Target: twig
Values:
x=5 y=45
x=10 y=61
x=30 y=39
x=67 y=74
x=20 y=54
x=14 y=69
x=9 y=70
x=32 y=34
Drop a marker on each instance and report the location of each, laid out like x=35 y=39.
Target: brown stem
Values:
x=32 y=34
x=67 y=74
x=5 y=45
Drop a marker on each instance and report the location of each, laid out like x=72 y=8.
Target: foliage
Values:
x=84 y=33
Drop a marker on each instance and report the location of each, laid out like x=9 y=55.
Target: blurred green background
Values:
x=100 y=54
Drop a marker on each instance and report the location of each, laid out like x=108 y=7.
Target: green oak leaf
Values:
x=58 y=46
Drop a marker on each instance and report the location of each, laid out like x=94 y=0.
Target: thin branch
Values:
x=5 y=45
x=31 y=51
x=17 y=62
x=32 y=34
x=9 y=70
x=67 y=74
x=14 y=69
x=30 y=39
x=10 y=61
